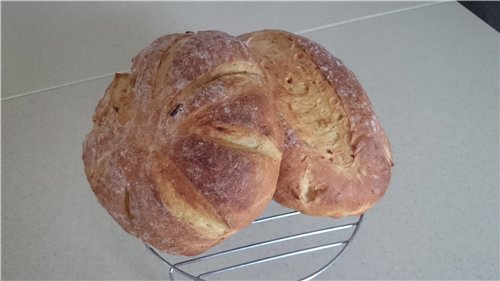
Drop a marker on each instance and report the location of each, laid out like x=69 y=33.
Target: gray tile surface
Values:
x=46 y=44
x=432 y=76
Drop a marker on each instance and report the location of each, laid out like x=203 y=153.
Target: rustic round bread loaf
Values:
x=186 y=149
x=337 y=160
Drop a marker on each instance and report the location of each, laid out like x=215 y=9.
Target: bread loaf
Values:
x=185 y=150
x=337 y=160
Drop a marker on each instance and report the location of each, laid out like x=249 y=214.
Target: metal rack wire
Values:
x=271 y=253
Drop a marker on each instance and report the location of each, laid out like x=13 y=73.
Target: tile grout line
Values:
x=298 y=33
x=368 y=17
x=61 y=86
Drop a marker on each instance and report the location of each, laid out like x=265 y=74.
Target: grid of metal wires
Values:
x=271 y=249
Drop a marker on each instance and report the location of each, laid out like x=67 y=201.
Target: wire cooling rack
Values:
x=293 y=245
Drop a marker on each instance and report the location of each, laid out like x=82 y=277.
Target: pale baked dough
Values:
x=337 y=160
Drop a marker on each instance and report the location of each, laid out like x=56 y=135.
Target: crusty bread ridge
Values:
x=186 y=149
x=337 y=160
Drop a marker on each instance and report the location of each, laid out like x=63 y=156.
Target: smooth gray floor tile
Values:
x=432 y=76
x=47 y=44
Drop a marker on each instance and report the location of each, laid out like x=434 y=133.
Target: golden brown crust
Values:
x=337 y=159
x=186 y=149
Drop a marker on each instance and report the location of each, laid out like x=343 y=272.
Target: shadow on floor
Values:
x=488 y=11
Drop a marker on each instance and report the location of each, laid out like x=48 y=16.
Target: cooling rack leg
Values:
x=171 y=274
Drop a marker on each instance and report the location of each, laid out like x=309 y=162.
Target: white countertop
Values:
x=430 y=70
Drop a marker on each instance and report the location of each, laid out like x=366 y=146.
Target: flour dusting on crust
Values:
x=144 y=125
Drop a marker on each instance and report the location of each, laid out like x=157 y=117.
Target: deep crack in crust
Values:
x=185 y=150
x=337 y=159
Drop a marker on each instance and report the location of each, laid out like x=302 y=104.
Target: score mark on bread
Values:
x=309 y=104
x=186 y=149
x=337 y=159
x=184 y=201
x=240 y=138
